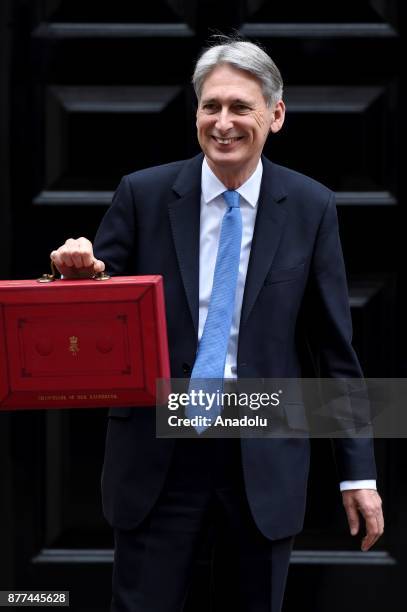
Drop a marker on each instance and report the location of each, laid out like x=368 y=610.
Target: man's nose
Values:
x=224 y=121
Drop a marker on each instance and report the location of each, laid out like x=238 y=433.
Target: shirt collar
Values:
x=212 y=187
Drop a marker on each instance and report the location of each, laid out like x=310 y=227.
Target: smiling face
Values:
x=233 y=122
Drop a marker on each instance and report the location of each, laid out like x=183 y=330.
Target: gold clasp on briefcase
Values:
x=49 y=278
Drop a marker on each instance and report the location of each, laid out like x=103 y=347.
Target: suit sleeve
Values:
x=329 y=331
x=114 y=243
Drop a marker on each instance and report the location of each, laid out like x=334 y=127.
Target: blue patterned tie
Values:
x=208 y=371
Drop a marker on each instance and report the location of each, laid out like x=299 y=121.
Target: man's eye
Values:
x=241 y=108
x=209 y=107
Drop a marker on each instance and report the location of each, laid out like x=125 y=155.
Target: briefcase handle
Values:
x=50 y=278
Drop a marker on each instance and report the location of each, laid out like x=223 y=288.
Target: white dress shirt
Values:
x=213 y=207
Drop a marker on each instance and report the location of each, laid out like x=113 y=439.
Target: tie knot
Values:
x=232 y=198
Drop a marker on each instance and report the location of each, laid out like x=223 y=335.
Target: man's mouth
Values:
x=227 y=141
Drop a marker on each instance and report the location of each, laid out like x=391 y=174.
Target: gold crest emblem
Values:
x=74 y=345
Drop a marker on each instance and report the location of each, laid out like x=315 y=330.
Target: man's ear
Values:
x=278 y=117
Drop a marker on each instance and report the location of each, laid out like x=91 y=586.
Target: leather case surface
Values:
x=82 y=343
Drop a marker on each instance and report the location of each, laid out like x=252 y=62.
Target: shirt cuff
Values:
x=347 y=485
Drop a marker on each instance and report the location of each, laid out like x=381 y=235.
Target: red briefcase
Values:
x=82 y=343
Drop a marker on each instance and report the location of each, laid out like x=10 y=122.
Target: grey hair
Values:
x=243 y=55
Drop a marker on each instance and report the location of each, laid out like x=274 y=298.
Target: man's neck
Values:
x=231 y=177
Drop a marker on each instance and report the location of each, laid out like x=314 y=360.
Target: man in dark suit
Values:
x=290 y=282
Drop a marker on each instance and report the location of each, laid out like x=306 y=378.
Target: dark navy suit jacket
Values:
x=295 y=288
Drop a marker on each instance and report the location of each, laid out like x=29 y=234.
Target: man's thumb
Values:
x=353 y=520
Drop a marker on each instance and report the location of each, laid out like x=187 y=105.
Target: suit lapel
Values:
x=270 y=222
x=184 y=213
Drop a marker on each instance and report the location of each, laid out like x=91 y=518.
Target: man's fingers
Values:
x=75 y=259
x=98 y=265
x=380 y=520
x=374 y=526
x=370 y=539
x=368 y=503
x=353 y=518
x=61 y=259
x=372 y=531
x=78 y=262
x=79 y=251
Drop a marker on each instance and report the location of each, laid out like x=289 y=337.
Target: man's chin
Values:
x=224 y=158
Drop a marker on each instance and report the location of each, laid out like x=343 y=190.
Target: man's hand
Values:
x=368 y=503
x=75 y=259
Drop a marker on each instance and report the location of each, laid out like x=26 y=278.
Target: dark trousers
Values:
x=203 y=494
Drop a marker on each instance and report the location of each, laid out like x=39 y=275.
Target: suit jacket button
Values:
x=186 y=368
